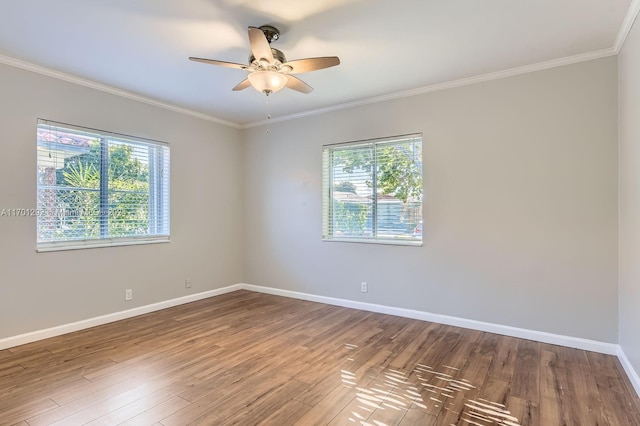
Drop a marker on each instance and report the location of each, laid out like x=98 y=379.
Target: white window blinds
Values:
x=98 y=188
x=372 y=191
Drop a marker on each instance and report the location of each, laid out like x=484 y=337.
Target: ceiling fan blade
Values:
x=296 y=84
x=312 y=64
x=260 y=47
x=242 y=85
x=221 y=63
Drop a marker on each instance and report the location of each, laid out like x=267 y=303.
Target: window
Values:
x=372 y=191
x=98 y=188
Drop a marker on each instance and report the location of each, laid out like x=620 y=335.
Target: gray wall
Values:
x=40 y=290
x=629 y=164
x=520 y=212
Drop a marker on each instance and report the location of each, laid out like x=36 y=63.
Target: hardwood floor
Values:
x=248 y=358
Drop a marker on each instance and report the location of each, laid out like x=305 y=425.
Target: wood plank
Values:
x=436 y=373
x=618 y=408
x=198 y=411
x=383 y=400
x=389 y=414
x=415 y=416
x=265 y=405
x=504 y=359
x=143 y=409
x=470 y=381
x=158 y=412
x=494 y=391
x=586 y=405
x=631 y=391
x=288 y=413
x=527 y=412
x=23 y=410
x=605 y=365
x=555 y=403
x=357 y=411
x=577 y=356
x=526 y=372
x=12 y=370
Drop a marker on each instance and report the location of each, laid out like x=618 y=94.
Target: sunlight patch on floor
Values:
x=424 y=388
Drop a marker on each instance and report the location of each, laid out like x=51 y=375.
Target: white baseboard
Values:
x=634 y=378
x=523 y=333
x=33 y=336
x=540 y=336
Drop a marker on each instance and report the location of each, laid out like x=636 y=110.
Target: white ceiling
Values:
x=386 y=47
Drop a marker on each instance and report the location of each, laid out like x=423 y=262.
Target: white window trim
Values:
x=380 y=241
x=105 y=242
x=326 y=198
x=49 y=246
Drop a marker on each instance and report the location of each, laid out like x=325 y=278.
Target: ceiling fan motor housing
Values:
x=277 y=55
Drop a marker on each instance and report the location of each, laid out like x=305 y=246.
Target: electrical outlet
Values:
x=364 y=287
x=128 y=294
x=187 y=283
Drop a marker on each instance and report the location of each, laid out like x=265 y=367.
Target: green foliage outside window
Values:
x=128 y=194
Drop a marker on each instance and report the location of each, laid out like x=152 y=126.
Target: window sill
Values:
x=389 y=242
x=115 y=242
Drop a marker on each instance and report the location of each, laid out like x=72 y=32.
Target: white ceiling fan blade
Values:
x=259 y=45
x=312 y=64
x=242 y=85
x=296 y=84
x=221 y=63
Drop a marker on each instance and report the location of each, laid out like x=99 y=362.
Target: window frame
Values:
x=328 y=233
x=158 y=191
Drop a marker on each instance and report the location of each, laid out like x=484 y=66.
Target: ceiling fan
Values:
x=269 y=70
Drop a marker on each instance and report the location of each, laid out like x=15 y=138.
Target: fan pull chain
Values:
x=268 y=113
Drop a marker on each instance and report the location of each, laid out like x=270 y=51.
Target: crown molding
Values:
x=6 y=60
x=569 y=60
x=627 y=24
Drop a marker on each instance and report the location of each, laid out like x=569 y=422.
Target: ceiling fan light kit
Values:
x=269 y=70
x=267 y=82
